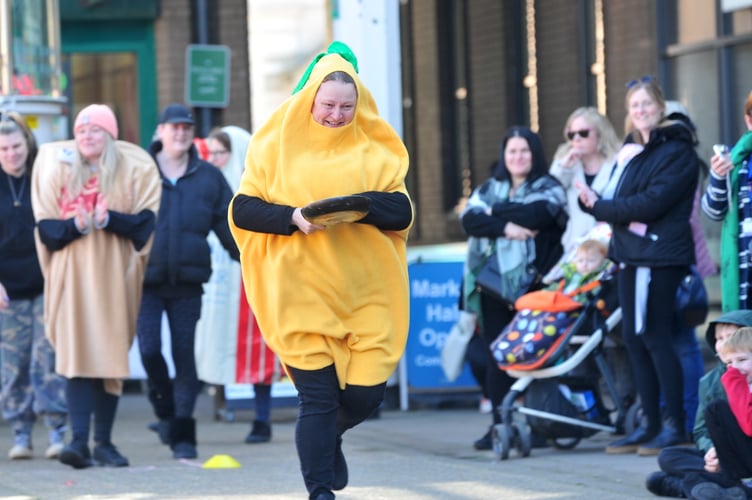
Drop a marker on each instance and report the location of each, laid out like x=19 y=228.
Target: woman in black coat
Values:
x=648 y=203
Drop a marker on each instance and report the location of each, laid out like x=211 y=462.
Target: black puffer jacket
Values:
x=196 y=204
x=657 y=189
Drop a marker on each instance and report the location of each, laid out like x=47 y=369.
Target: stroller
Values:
x=558 y=358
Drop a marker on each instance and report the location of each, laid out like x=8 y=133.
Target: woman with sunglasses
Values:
x=648 y=202
x=586 y=156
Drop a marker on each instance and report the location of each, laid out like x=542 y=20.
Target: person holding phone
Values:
x=727 y=199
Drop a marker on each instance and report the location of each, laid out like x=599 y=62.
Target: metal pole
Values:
x=53 y=34
x=6 y=52
x=202 y=32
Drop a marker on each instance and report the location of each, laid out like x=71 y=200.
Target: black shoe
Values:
x=629 y=444
x=162 y=428
x=77 y=455
x=340 y=468
x=323 y=495
x=713 y=491
x=484 y=443
x=184 y=450
x=106 y=455
x=260 y=433
x=670 y=435
x=664 y=485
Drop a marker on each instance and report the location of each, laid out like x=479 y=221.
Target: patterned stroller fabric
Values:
x=543 y=320
x=530 y=338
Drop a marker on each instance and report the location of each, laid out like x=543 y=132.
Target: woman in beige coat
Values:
x=95 y=201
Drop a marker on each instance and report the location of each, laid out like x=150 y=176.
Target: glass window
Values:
x=33 y=51
x=695 y=20
x=741 y=21
x=742 y=54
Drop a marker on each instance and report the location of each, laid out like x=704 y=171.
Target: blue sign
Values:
x=434 y=295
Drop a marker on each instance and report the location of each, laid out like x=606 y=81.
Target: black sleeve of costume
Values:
x=389 y=211
x=56 y=234
x=220 y=226
x=136 y=227
x=254 y=214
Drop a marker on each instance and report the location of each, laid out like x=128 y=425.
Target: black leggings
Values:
x=496 y=315
x=182 y=316
x=84 y=397
x=656 y=368
x=325 y=412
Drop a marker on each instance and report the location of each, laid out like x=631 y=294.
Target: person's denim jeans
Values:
x=693 y=368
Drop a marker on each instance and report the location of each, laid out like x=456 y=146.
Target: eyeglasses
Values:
x=218 y=152
x=584 y=133
x=644 y=79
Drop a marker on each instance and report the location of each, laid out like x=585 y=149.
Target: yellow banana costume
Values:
x=337 y=296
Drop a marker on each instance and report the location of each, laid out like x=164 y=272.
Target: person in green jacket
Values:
x=680 y=464
x=727 y=199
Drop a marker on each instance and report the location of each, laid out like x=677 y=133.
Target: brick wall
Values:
x=430 y=223
x=488 y=87
x=560 y=62
x=631 y=51
x=172 y=32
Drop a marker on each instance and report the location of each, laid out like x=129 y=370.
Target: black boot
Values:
x=162 y=428
x=260 y=433
x=183 y=437
x=672 y=434
x=76 y=454
x=485 y=442
x=664 y=485
x=629 y=444
x=164 y=408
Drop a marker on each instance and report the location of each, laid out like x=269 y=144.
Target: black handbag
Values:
x=490 y=281
x=691 y=300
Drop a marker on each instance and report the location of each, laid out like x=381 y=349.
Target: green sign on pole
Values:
x=207 y=82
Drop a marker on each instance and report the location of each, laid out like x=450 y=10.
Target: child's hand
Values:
x=711 y=461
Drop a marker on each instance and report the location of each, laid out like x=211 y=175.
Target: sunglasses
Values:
x=644 y=79
x=584 y=133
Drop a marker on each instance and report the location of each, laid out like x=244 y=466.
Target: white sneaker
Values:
x=57 y=442
x=21 y=447
x=53 y=451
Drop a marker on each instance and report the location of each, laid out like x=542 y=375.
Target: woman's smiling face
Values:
x=644 y=111
x=334 y=104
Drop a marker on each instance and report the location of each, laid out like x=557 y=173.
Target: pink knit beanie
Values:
x=100 y=115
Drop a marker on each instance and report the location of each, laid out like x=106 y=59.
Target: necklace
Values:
x=16 y=195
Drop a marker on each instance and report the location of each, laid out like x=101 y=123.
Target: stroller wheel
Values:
x=633 y=418
x=565 y=443
x=501 y=441
x=524 y=439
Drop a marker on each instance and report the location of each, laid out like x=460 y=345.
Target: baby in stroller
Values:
x=553 y=346
x=545 y=314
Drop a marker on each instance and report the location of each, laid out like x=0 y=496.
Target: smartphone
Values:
x=720 y=149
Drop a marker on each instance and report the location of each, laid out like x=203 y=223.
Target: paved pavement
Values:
x=415 y=455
